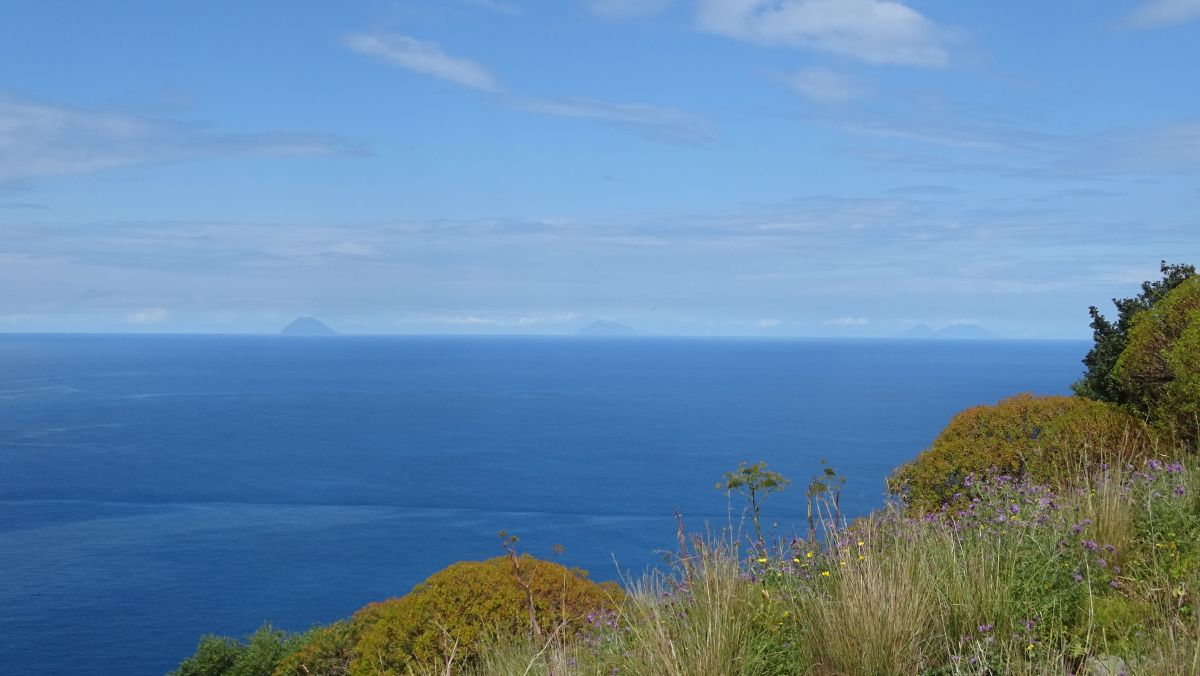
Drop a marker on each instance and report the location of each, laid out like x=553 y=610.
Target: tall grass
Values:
x=1017 y=579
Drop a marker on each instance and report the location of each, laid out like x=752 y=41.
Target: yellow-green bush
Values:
x=1159 y=369
x=323 y=650
x=1044 y=437
x=459 y=607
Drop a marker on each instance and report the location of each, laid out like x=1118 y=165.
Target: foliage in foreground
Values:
x=1049 y=439
x=1158 y=373
x=1021 y=579
x=1111 y=337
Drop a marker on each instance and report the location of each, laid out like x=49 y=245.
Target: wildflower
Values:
x=1178 y=490
x=861 y=543
x=861 y=557
x=985 y=628
x=1113 y=584
x=808 y=555
x=762 y=559
x=795 y=559
x=824 y=573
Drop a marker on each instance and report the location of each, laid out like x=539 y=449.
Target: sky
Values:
x=693 y=167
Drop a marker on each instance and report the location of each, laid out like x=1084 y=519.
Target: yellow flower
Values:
x=795 y=559
x=762 y=559
x=861 y=557
x=824 y=573
x=808 y=555
x=861 y=543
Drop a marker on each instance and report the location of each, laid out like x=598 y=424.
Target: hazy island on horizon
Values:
x=307 y=326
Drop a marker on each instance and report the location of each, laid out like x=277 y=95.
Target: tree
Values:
x=755 y=482
x=1111 y=337
x=1158 y=372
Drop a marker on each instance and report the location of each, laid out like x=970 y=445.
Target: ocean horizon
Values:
x=156 y=487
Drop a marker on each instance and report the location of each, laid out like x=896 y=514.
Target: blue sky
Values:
x=700 y=167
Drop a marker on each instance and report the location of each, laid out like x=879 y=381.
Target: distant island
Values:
x=605 y=328
x=307 y=326
x=950 y=332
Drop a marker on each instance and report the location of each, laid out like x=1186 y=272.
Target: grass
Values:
x=1019 y=580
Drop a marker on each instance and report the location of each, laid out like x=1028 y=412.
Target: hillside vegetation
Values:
x=1039 y=535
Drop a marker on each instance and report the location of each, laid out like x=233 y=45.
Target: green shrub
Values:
x=1159 y=370
x=1045 y=437
x=323 y=650
x=1111 y=337
x=458 y=608
x=224 y=656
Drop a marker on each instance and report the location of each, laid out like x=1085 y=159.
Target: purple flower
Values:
x=1113 y=584
x=1178 y=490
x=985 y=628
x=1090 y=544
x=1014 y=508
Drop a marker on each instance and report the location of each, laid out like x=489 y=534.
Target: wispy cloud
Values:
x=657 y=122
x=767 y=323
x=661 y=123
x=495 y=6
x=512 y=321
x=39 y=140
x=626 y=8
x=147 y=316
x=846 y=321
x=1166 y=148
x=423 y=57
x=822 y=85
x=1159 y=13
x=874 y=31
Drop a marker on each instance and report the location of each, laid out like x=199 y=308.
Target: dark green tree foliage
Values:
x=224 y=656
x=1159 y=371
x=1112 y=337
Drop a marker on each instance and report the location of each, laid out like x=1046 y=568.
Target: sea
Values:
x=154 y=488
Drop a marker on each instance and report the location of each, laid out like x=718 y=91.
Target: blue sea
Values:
x=156 y=488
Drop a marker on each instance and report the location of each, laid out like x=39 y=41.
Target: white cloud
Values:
x=767 y=323
x=428 y=58
x=423 y=57
x=661 y=123
x=495 y=6
x=39 y=140
x=846 y=321
x=1169 y=148
x=504 y=320
x=1158 y=13
x=822 y=85
x=152 y=315
x=874 y=31
x=626 y=8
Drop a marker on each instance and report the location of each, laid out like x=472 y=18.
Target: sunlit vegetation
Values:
x=1039 y=535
